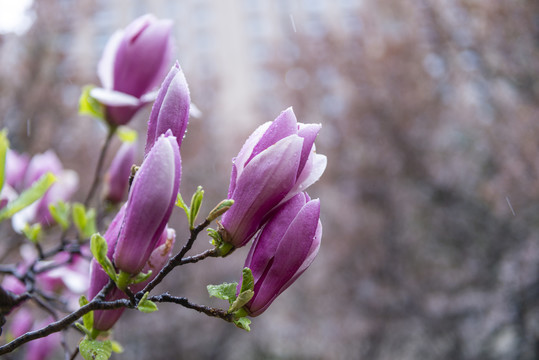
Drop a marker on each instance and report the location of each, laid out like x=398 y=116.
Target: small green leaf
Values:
x=220 y=209
x=126 y=134
x=60 y=213
x=242 y=299
x=196 y=201
x=99 y=248
x=90 y=106
x=32 y=232
x=243 y=323
x=181 y=204
x=4 y=146
x=35 y=192
x=88 y=318
x=95 y=349
x=225 y=291
x=248 y=281
x=141 y=277
x=145 y=305
x=117 y=347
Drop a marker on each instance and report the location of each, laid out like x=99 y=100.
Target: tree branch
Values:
x=176 y=260
x=213 y=312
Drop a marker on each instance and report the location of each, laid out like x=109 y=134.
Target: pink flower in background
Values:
x=117 y=177
x=66 y=184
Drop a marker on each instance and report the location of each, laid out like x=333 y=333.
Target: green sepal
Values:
x=216 y=237
x=4 y=146
x=141 y=277
x=99 y=248
x=243 y=323
x=123 y=280
x=89 y=105
x=246 y=292
x=248 y=280
x=95 y=349
x=27 y=197
x=83 y=329
x=126 y=135
x=223 y=248
x=145 y=305
x=224 y=291
x=60 y=213
x=84 y=220
x=242 y=299
x=88 y=318
x=32 y=232
x=220 y=209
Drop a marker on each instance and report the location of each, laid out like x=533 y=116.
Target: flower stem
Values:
x=97 y=174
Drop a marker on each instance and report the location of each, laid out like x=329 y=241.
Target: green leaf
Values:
x=243 y=323
x=181 y=204
x=88 y=318
x=242 y=299
x=196 y=201
x=27 y=197
x=84 y=220
x=220 y=209
x=32 y=232
x=225 y=291
x=4 y=146
x=60 y=213
x=145 y=305
x=117 y=347
x=126 y=134
x=99 y=248
x=90 y=106
x=95 y=349
x=248 y=281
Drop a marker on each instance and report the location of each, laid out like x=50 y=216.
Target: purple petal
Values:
x=267 y=241
x=105 y=68
x=309 y=133
x=284 y=125
x=293 y=250
x=149 y=205
x=142 y=55
x=265 y=181
x=171 y=108
x=313 y=170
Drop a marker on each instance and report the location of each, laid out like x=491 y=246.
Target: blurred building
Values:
x=223 y=43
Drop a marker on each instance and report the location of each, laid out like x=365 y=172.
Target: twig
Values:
x=176 y=260
x=196 y=258
x=213 y=312
x=63 y=323
x=97 y=175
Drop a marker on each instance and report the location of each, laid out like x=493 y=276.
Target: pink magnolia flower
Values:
x=276 y=162
x=283 y=250
x=133 y=64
